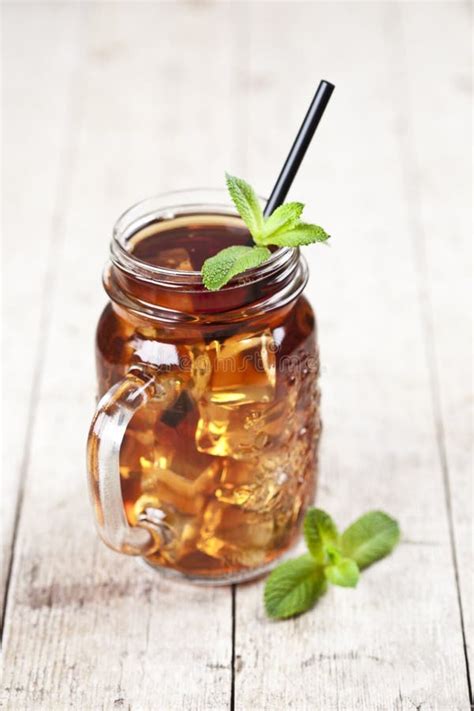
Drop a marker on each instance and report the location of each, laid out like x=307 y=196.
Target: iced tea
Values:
x=226 y=466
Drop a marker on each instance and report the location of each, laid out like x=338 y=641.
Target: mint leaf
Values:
x=282 y=228
x=370 y=538
x=284 y=217
x=319 y=531
x=297 y=236
x=219 y=269
x=294 y=587
x=247 y=203
x=343 y=572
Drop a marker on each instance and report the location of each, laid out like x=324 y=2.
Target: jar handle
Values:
x=114 y=412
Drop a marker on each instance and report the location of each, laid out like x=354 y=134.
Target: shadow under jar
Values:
x=202 y=453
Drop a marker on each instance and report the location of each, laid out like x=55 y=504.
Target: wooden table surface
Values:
x=106 y=103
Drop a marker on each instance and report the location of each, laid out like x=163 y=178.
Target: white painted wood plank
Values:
x=87 y=628
x=36 y=99
x=440 y=184
x=396 y=642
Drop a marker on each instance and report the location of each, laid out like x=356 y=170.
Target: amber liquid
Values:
x=227 y=467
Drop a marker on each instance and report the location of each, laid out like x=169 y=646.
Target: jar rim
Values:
x=179 y=203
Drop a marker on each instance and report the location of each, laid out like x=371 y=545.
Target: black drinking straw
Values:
x=299 y=147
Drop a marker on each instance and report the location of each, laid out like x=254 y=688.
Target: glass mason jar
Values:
x=202 y=452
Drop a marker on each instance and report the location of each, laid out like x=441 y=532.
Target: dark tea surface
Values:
x=186 y=242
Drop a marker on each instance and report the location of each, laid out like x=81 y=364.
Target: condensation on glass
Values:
x=202 y=453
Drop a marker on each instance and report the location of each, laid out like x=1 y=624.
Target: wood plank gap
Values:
x=19 y=501
x=232 y=679
x=411 y=185
x=240 y=148
x=240 y=145
x=47 y=299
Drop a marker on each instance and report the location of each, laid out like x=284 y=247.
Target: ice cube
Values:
x=187 y=496
x=251 y=486
x=243 y=369
x=179 y=473
x=235 y=536
x=201 y=370
x=242 y=431
x=138 y=445
x=258 y=503
x=176 y=258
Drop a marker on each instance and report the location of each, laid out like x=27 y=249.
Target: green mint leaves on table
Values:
x=283 y=229
x=294 y=586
